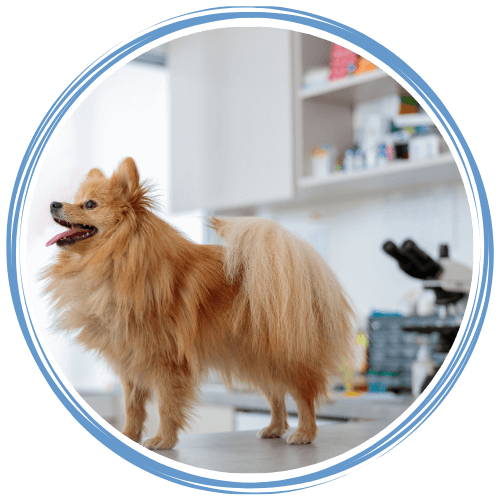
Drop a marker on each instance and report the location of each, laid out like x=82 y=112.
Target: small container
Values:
x=316 y=76
x=432 y=143
x=359 y=159
x=416 y=148
x=381 y=154
x=349 y=160
x=371 y=157
x=323 y=160
x=423 y=147
x=391 y=153
x=421 y=368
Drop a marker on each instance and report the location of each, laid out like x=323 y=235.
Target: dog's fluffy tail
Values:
x=290 y=301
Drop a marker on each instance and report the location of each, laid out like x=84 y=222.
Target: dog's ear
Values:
x=95 y=173
x=126 y=178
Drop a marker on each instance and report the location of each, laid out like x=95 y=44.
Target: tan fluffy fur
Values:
x=162 y=310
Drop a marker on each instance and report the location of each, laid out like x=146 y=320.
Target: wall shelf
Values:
x=399 y=174
x=353 y=89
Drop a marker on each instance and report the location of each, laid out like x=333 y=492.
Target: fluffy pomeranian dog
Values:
x=263 y=308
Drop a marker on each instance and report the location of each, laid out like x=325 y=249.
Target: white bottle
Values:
x=349 y=160
x=421 y=368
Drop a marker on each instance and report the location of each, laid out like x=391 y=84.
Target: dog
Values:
x=163 y=311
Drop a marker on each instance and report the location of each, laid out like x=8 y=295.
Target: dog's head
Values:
x=100 y=207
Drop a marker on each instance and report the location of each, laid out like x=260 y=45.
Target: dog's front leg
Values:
x=136 y=398
x=175 y=392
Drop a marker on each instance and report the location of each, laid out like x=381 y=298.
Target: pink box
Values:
x=340 y=60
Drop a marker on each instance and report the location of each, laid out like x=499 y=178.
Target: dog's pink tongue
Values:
x=59 y=236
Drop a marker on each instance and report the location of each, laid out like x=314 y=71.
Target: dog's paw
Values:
x=271 y=432
x=301 y=437
x=159 y=443
x=134 y=436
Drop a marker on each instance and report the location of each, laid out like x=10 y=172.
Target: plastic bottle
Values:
x=349 y=160
x=421 y=368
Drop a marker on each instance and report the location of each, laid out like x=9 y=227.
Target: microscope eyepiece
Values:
x=390 y=248
x=412 y=260
x=428 y=266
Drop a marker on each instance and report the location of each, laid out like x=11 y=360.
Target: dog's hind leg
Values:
x=136 y=398
x=278 y=425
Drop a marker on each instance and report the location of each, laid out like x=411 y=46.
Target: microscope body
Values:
x=450 y=281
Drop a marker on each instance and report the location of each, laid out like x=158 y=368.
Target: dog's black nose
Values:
x=55 y=205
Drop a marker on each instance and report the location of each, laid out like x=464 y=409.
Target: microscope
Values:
x=450 y=281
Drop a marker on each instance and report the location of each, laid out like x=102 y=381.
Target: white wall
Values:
x=125 y=116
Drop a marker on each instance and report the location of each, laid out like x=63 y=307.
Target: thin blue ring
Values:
x=480 y=300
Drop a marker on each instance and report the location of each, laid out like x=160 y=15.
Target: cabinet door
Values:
x=231 y=118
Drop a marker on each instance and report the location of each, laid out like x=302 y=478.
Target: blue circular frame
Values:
x=479 y=301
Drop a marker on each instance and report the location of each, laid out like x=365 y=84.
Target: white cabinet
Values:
x=243 y=127
x=231 y=118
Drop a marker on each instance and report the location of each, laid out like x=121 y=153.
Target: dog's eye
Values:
x=90 y=204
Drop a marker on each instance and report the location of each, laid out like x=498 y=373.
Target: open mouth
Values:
x=77 y=232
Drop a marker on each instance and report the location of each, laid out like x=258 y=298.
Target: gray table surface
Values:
x=243 y=452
